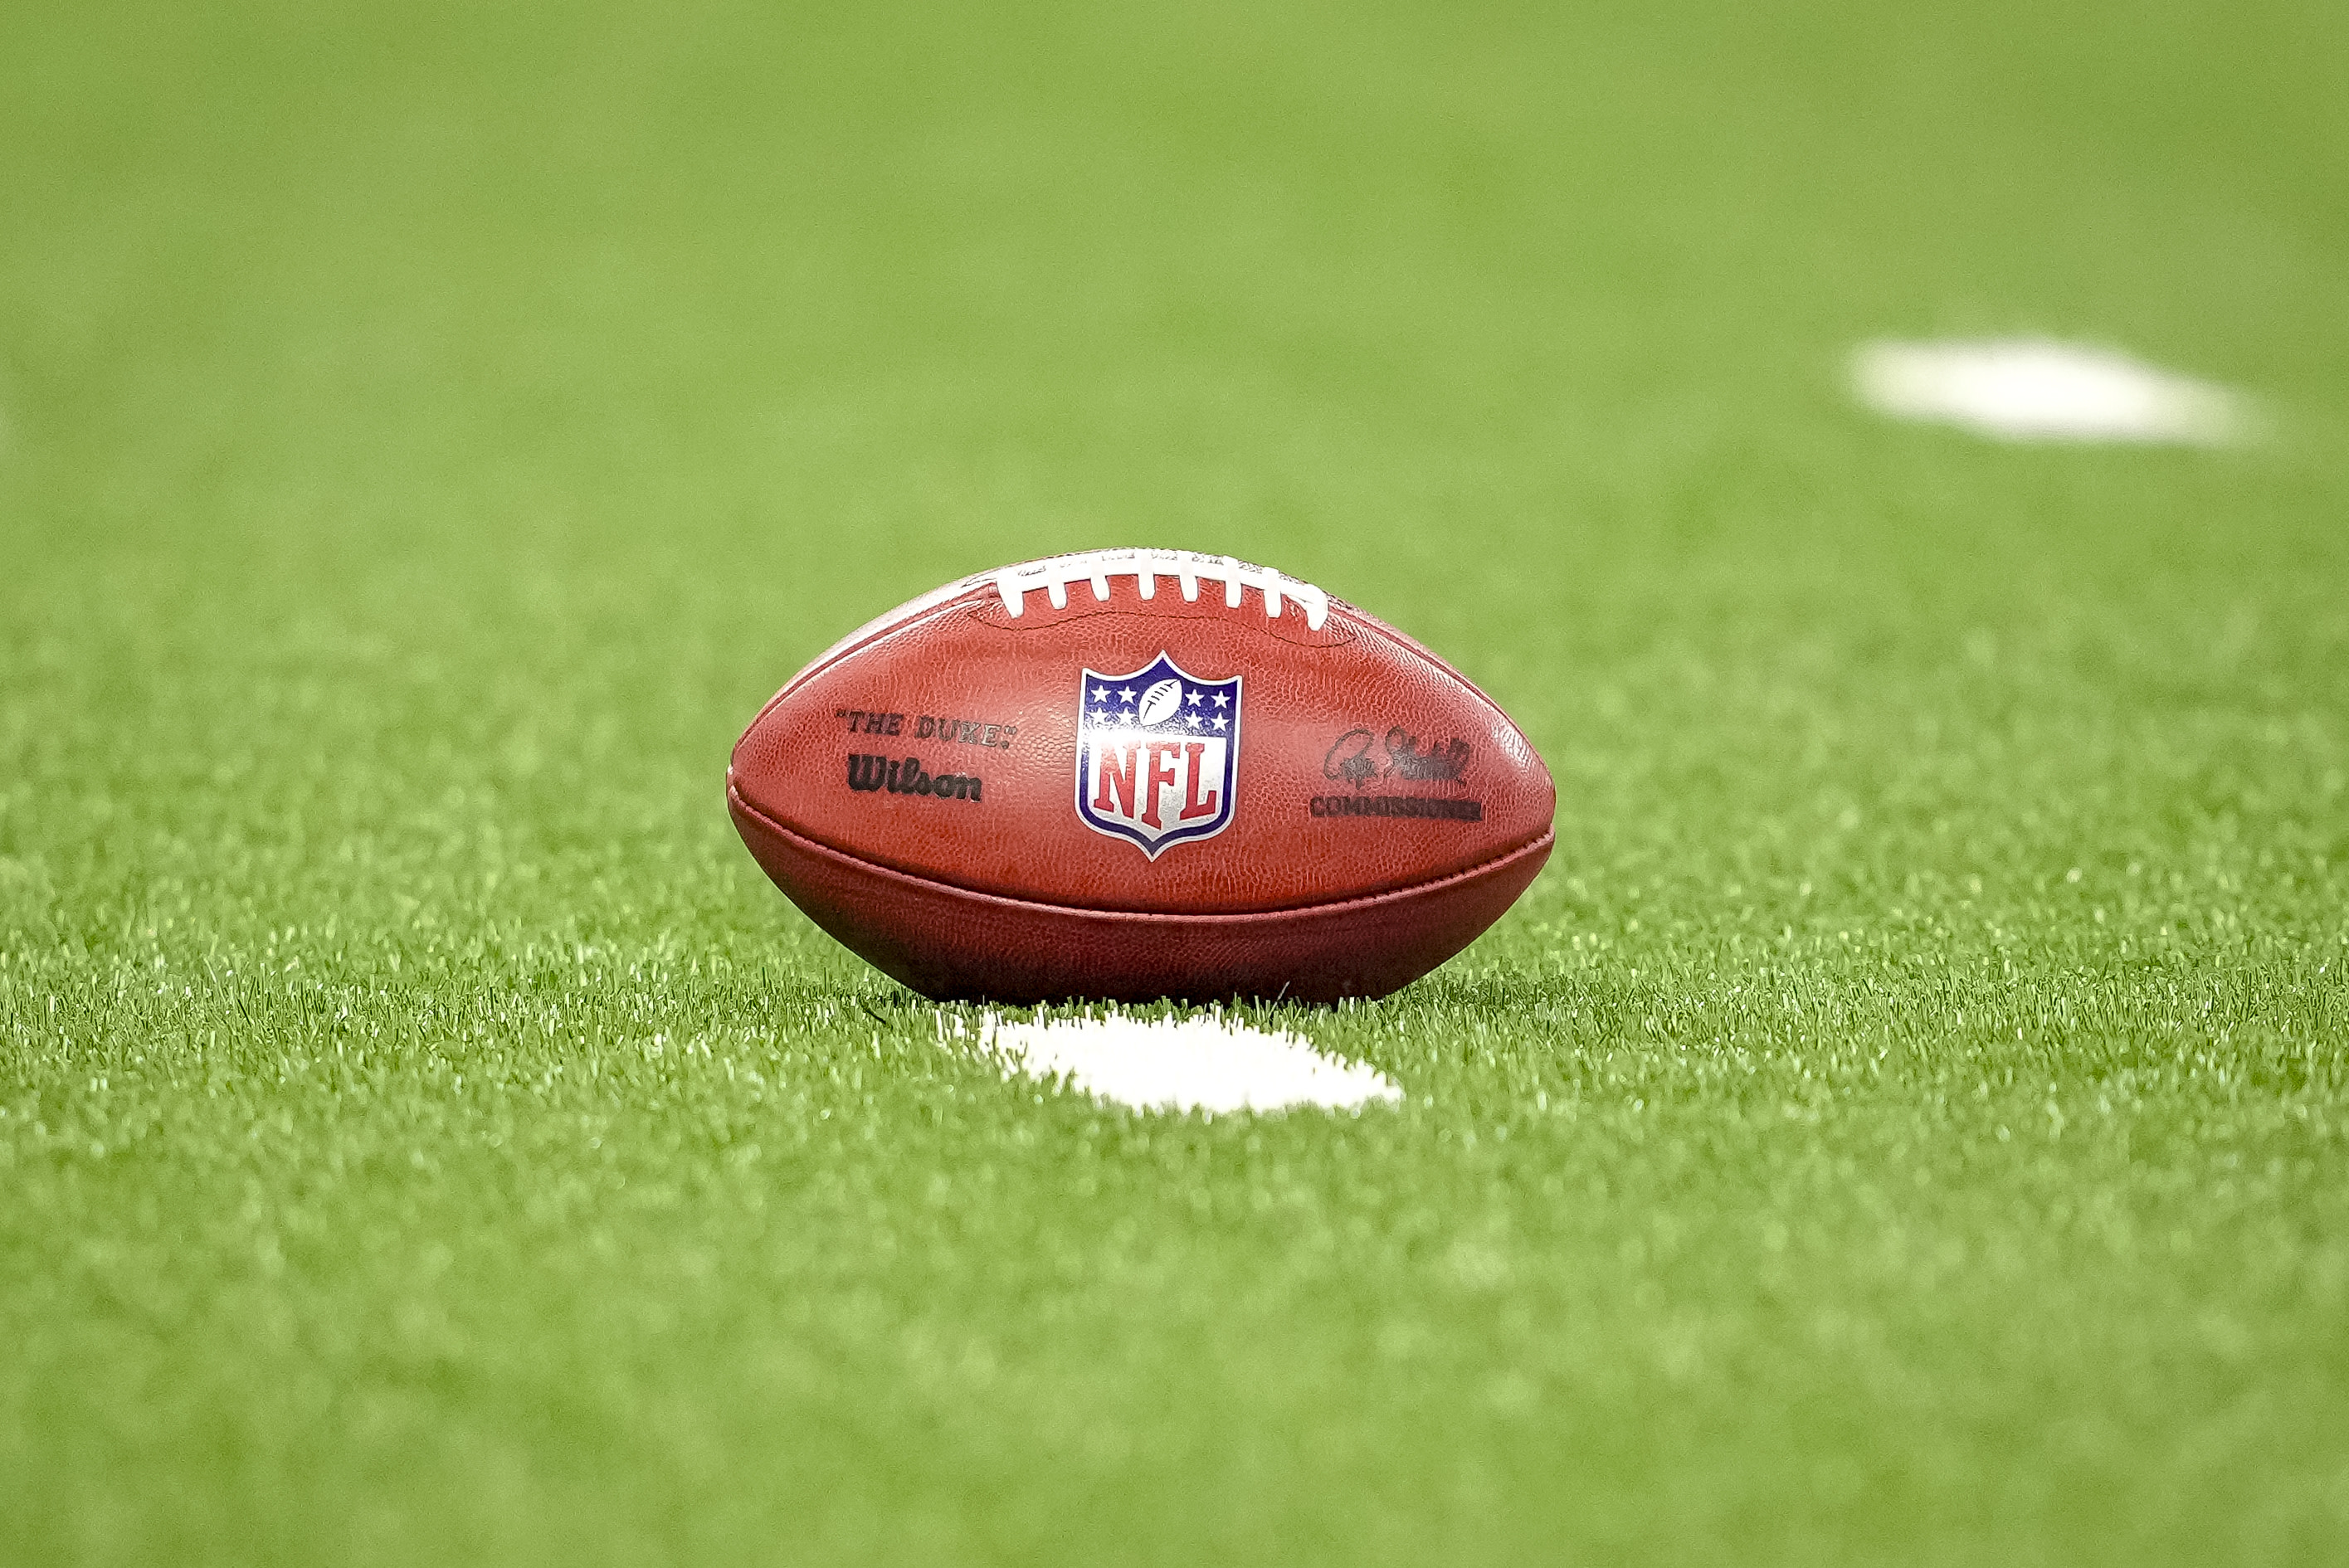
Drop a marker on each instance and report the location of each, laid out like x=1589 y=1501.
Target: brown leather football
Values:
x=1133 y=774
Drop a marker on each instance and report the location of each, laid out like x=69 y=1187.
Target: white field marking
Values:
x=2033 y=389
x=1204 y=1062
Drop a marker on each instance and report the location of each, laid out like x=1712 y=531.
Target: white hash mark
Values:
x=2034 y=389
x=1200 y=1062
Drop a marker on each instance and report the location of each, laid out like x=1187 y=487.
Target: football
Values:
x=1137 y=774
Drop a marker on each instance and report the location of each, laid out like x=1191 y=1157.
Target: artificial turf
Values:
x=1907 y=1122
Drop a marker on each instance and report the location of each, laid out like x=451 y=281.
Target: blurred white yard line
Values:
x=2033 y=389
x=1204 y=1062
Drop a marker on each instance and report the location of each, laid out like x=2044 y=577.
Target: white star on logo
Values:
x=1125 y=695
x=1220 y=724
x=1223 y=699
x=1192 y=719
x=1101 y=694
x=1193 y=699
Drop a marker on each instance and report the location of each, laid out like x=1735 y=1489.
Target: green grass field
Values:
x=1908 y=1123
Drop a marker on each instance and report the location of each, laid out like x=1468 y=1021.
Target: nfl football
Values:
x=1133 y=774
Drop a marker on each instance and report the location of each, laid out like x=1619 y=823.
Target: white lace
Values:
x=1145 y=567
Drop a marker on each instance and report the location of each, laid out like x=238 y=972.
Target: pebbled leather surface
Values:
x=1024 y=838
x=1362 y=760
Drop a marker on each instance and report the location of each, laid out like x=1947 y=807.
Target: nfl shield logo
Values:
x=1158 y=753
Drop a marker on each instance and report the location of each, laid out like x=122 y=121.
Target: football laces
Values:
x=1054 y=576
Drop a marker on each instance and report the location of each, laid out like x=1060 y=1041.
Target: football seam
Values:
x=1410 y=644
x=827 y=660
x=1544 y=839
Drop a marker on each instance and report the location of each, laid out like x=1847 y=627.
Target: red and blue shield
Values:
x=1158 y=755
